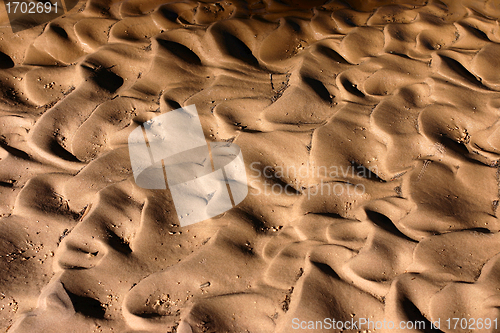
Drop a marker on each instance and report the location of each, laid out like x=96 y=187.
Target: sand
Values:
x=371 y=139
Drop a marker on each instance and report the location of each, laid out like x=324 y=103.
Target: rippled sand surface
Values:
x=408 y=90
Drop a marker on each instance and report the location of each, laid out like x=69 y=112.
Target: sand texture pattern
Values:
x=390 y=110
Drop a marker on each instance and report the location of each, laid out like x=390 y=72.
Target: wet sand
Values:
x=371 y=139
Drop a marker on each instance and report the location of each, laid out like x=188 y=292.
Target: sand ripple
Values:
x=409 y=91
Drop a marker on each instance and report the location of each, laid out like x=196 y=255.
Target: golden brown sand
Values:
x=408 y=90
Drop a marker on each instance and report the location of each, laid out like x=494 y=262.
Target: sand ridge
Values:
x=407 y=91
